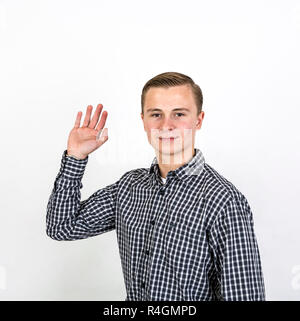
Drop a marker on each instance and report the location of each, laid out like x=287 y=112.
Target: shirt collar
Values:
x=194 y=167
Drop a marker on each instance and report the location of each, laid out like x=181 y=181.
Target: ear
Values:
x=200 y=120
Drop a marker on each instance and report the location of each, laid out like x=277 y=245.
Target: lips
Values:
x=166 y=138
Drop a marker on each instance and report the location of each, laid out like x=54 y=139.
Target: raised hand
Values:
x=85 y=139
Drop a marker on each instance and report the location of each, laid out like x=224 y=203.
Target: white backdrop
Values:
x=59 y=56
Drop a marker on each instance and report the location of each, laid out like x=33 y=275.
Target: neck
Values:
x=170 y=162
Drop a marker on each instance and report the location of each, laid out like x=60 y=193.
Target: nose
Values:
x=167 y=124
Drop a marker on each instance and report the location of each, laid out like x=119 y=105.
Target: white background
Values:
x=56 y=57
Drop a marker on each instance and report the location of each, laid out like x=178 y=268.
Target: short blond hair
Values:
x=170 y=79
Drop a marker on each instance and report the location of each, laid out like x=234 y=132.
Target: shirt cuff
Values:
x=71 y=167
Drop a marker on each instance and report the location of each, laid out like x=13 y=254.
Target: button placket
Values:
x=161 y=192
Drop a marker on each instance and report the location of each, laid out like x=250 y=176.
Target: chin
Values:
x=169 y=150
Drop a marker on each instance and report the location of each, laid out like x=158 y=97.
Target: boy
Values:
x=184 y=231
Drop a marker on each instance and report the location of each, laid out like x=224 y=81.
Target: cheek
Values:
x=151 y=130
x=151 y=125
x=186 y=124
x=187 y=129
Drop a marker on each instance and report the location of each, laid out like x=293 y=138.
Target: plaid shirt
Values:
x=191 y=239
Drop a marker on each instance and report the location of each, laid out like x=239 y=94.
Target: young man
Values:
x=184 y=231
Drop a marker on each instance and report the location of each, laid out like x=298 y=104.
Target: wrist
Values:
x=76 y=155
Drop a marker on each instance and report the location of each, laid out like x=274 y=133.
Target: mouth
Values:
x=168 y=138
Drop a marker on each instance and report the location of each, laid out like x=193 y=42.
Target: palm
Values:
x=83 y=139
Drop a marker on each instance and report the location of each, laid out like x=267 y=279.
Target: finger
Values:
x=78 y=118
x=95 y=118
x=102 y=120
x=87 y=115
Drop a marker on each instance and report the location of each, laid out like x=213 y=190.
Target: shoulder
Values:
x=217 y=184
x=223 y=195
x=134 y=176
x=220 y=192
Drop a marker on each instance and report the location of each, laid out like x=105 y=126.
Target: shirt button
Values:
x=143 y=284
x=152 y=222
x=161 y=192
x=147 y=252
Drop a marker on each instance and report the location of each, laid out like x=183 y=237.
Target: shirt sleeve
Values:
x=69 y=218
x=236 y=254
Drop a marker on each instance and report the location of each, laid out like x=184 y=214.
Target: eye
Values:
x=153 y=115
x=180 y=114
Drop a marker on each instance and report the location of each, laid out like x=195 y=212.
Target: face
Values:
x=170 y=119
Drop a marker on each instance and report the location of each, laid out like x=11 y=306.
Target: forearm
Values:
x=64 y=201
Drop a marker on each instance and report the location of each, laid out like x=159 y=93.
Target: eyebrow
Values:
x=175 y=109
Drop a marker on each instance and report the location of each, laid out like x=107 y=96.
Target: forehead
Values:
x=177 y=96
